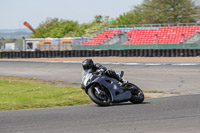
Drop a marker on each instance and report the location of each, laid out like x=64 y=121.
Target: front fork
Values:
x=99 y=92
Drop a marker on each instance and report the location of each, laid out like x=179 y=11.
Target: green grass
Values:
x=153 y=91
x=24 y=93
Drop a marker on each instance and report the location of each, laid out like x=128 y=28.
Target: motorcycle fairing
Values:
x=112 y=86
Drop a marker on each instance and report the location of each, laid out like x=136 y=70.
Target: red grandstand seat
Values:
x=165 y=35
x=101 y=38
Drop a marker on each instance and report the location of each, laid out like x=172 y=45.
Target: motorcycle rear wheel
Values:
x=137 y=95
x=101 y=100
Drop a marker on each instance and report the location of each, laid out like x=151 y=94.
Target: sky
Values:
x=14 y=12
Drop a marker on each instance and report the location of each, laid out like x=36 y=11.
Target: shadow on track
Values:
x=122 y=104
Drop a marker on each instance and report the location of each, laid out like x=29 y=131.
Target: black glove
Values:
x=99 y=71
x=111 y=73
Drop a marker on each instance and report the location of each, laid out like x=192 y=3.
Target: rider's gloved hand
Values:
x=111 y=72
x=99 y=71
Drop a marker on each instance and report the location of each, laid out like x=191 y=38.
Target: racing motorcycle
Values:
x=104 y=90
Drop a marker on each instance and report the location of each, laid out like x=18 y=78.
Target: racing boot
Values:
x=123 y=81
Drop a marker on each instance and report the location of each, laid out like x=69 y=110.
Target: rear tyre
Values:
x=137 y=94
x=102 y=99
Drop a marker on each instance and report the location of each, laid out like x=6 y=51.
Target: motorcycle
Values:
x=104 y=90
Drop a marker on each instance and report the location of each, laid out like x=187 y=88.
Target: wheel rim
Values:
x=140 y=95
x=102 y=96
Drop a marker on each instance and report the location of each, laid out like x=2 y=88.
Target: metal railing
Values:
x=25 y=45
x=49 y=47
x=153 y=25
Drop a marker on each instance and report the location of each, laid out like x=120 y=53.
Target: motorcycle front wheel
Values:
x=99 y=95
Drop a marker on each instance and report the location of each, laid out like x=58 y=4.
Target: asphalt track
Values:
x=180 y=114
x=183 y=79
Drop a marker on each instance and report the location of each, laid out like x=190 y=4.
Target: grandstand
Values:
x=146 y=35
x=162 y=35
x=101 y=38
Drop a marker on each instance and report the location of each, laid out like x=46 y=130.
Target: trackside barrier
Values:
x=141 y=46
x=104 y=53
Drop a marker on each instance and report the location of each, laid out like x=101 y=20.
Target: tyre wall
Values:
x=104 y=53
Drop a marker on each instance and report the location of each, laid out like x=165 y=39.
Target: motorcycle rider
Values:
x=88 y=64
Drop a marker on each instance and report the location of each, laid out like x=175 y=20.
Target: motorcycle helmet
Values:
x=87 y=64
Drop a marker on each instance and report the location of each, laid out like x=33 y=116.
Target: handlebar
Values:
x=100 y=72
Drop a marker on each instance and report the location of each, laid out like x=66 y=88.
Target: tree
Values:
x=131 y=17
x=57 y=28
x=170 y=11
x=106 y=18
x=44 y=28
x=98 y=18
x=161 y=11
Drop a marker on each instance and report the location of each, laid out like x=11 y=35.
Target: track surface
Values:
x=179 y=114
x=169 y=78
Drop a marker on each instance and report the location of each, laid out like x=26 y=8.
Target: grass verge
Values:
x=153 y=91
x=25 y=93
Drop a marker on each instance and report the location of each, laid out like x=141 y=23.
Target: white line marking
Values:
x=122 y=63
x=186 y=64
x=153 y=64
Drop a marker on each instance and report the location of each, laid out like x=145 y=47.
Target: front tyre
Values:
x=137 y=95
x=99 y=95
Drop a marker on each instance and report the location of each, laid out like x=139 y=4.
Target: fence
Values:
x=11 y=44
x=149 y=46
x=104 y=53
x=153 y=25
x=42 y=44
x=120 y=41
x=50 y=47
